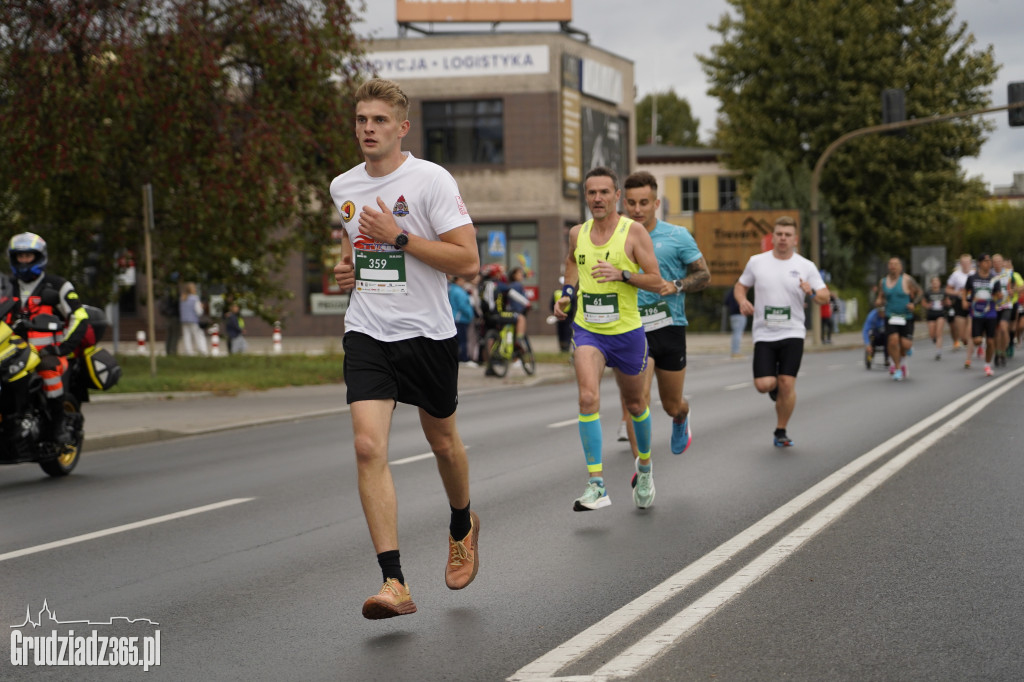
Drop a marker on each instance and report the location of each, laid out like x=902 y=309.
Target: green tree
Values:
x=676 y=124
x=776 y=187
x=993 y=230
x=792 y=76
x=236 y=111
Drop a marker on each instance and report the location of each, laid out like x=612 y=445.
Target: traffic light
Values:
x=1015 y=93
x=894 y=106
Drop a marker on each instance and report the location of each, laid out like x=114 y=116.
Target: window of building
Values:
x=727 y=199
x=464 y=132
x=510 y=245
x=690 y=194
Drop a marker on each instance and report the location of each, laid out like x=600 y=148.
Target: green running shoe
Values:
x=594 y=497
x=643 y=487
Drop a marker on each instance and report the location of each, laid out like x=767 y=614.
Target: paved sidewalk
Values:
x=117 y=420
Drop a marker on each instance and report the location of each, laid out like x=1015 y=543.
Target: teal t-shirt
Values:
x=675 y=249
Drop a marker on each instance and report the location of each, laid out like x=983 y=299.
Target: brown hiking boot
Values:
x=392 y=600
x=463 y=557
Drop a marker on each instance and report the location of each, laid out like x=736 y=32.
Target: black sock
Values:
x=780 y=433
x=460 y=524
x=391 y=565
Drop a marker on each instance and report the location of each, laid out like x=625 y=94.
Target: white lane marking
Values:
x=417 y=458
x=736 y=387
x=414 y=458
x=545 y=667
x=637 y=656
x=121 y=529
x=567 y=422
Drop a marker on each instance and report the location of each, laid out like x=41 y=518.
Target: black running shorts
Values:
x=418 y=371
x=667 y=347
x=904 y=331
x=984 y=326
x=772 y=358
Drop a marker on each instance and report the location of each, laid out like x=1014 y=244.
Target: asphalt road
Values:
x=885 y=545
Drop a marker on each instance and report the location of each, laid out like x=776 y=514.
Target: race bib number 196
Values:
x=655 y=316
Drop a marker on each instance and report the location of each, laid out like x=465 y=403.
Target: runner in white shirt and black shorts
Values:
x=781 y=279
x=405 y=228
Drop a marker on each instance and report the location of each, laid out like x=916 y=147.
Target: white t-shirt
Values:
x=958 y=280
x=397 y=296
x=778 y=298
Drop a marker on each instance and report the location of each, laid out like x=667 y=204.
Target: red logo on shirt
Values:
x=348 y=211
x=461 y=205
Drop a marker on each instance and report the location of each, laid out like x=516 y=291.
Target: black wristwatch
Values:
x=626 y=275
x=402 y=240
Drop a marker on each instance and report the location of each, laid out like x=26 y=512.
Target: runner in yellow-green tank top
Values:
x=609 y=257
x=606 y=307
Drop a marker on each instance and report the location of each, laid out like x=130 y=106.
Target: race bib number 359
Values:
x=380 y=272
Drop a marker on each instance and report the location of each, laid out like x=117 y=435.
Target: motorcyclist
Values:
x=42 y=293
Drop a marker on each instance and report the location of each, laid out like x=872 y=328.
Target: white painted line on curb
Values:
x=122 y=529
x=545 y=667
x=567 y=422
x=736 y=387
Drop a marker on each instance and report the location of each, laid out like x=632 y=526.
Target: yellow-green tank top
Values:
x=605 y=307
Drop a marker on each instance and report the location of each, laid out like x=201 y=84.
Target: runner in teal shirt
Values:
x=677 y=252
x=663 y=314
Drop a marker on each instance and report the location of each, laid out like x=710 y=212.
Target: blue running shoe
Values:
x=897 y=375
x=681 y=435
x=783 y=442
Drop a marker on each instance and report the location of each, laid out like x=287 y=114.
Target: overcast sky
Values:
x=663 y=39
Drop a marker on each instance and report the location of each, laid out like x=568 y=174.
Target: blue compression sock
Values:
x=590 y=436
x=642 y=429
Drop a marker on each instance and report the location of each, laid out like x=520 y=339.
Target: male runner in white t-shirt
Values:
x=406 y=227
x=781 y=279
x=959 y=324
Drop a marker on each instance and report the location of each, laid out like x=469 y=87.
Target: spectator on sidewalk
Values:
x=462 y=311
x=191 y=311
x=171 y=311
x=235 y=324
x=737 y=323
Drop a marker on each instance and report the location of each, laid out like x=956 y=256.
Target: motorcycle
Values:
x=26 y=425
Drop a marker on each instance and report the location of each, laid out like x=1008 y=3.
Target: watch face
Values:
x=401 y=240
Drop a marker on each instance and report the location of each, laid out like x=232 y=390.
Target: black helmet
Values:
x=27 y=242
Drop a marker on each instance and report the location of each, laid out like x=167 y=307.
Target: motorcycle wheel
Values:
x=496 y=362
x=65 y=462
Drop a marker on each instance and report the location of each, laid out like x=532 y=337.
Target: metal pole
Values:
x=147 y=203
x=838 y=142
